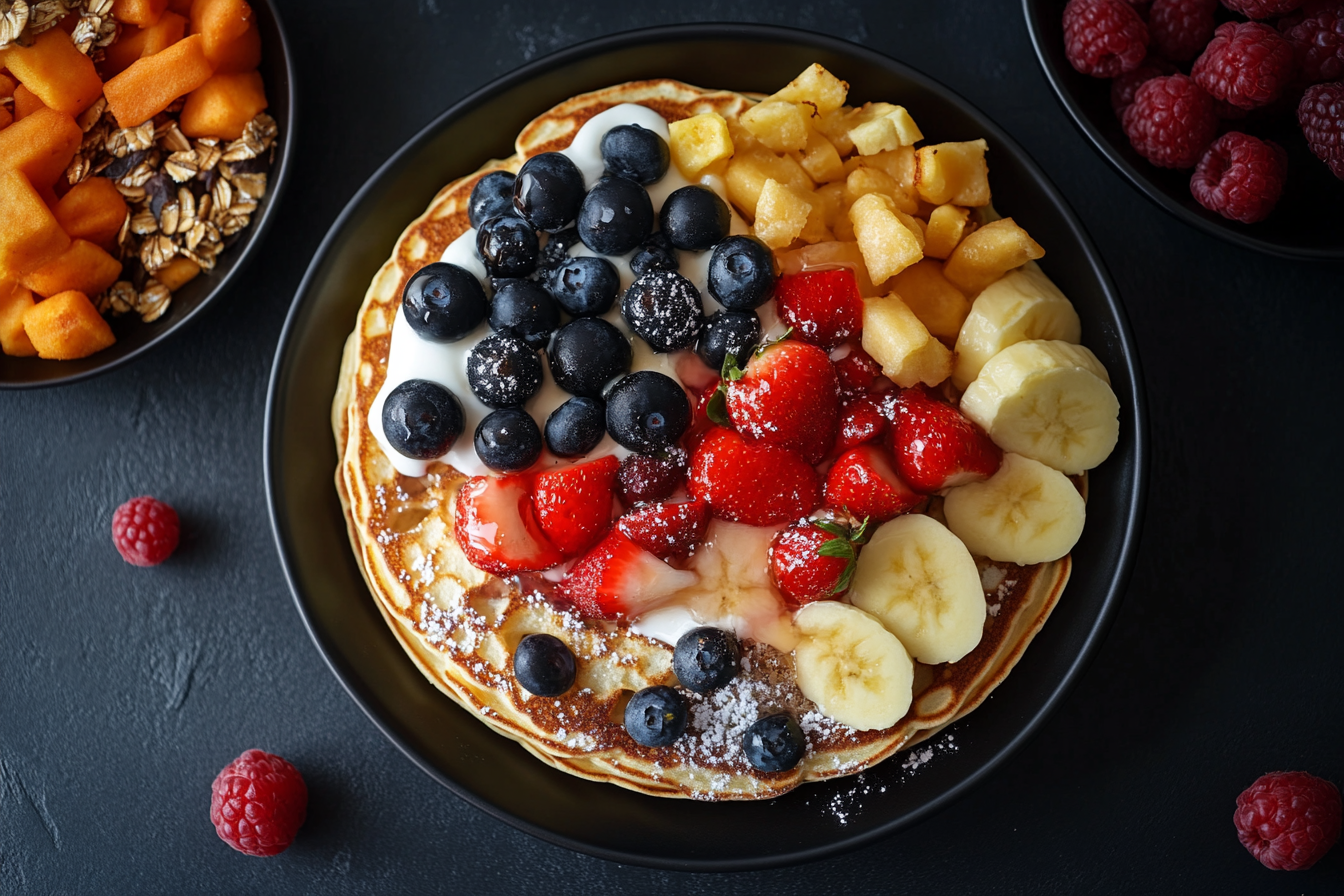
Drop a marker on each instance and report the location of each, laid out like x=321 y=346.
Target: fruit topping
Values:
x=497 y=529
x=585 y=286
x=656 y=716
x=664 y=308
x=576 y=427
x=656 y=253
x=861 y=420
x=706 y=658
x=694 y=218
x=814 y=559
x=1288 y=820
x=787 y=396
x=735 y=333
x=544 y=665
x=556 y=250
x=586 y=354
x=421 y=419
x=491 y=197
x=1021 y=305
x=619 y=578
x=258 y=802
x=648 y=478
x=503 y=370
x=935 y=446
x=635 y=152
x=759 y=485
x=856 y=372
x=1103 y=38
x=1247 y=64
x=573 y=503
x=647 y=411
x=1321 y=115
x=615 y=217
x=1262 y=9
x=741 y=273
x=863 y=482
x=1171 y=121
x=443 y=302
x=823 y=307
x=847 y=663
x=145 y=531
x=1124 y=87
x=548 y=191
x=526 y=309
x=1180 y=29
x=508 y=246
x=774 y=743
x=508 y=440
x=1025 y=513
x=1240 y=177
x=671 y=529
x=1318 y=43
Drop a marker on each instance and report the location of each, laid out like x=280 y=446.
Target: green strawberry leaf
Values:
x=837 y=547
x=717 y=409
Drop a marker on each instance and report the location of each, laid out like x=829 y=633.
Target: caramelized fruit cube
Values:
x=947 y=223
x=222 y=106
x=900 y=342
x=777 y=124
x=698 y=142
x=92 y=210
x=240 y=55
x=56 y=72
x=15 y=300
x=25 y=103
x=30 y=236
x=83 y=267
x=67 y=326
x=219 y=22
x=751 y=168
x=41 y=145
x=863 y=180
x=177 y=272
x=820 y=159
x=881 y=127
x=989 y=253
x=781 y=214
x=938 y=304
x=151 y=83
x=144 y=13
x=953 y=172
x=889 y=240
x=817 y=87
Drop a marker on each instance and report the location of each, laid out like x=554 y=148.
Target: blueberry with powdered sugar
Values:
x=503 y=370
x=556 y=250
x=735 y=333
x=706 y=658
x=774 y=743
x=664 y=308
x=656 y=716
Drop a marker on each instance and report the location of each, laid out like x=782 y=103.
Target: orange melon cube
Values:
x=66 y=327
x=170 y=29
x=220 y=22
x=177 y=273
x=6 y=119
x=30 y=235
x=62 y=77
x=92 y=210
x=239 y=55
x=127 y=48
x=151 y=83
x=41 y=145
x=223 y=105
x=139 y=12
x=14 y=301
x=83 y=267
x=25 y=102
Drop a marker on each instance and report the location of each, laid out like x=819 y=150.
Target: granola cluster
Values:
x=21 y=21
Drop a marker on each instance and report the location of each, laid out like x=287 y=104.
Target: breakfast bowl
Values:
x=498 y=775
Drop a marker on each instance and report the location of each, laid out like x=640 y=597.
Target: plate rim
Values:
x=1129 y=530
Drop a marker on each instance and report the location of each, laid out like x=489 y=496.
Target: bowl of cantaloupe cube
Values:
x=143 y=146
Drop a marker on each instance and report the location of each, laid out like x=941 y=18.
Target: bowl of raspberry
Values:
x=1229 y=114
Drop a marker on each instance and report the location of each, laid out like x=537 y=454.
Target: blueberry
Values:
x=705 y=659
x=694 y=218
x=508 y=246
x=635 y=152
x=576 y=427
x=548 y=191
x=647 y=411
x=556 y=250
x=491 y=197
x=503 y=370
x=616 y=216
x=728 y=332
x=544 y=665
x=586 y=354
x=508 y=440
x=774 y=743
x=656 y=253
x=741 y=273
x=443 y=302
x=665 y=309
x=656 y=716
x=422 y=419
x=585 y=286
x=526 y=309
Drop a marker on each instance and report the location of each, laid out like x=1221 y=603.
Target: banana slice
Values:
x=919 y=579
x=1050 y=401
x=1022 y=304
x=1025 y=513
x=851 y=667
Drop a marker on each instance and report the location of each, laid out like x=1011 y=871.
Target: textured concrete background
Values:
x=125 y=690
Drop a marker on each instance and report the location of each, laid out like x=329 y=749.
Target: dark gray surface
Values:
x=125 y=690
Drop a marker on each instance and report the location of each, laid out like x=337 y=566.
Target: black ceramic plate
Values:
x=1303 y=225
x=496 y=774
x=135 y=337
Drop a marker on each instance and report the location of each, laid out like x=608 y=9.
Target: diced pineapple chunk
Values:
x=777 y=124
x=863 y=180
x=946 y=225
x=699 y=141
x=820 y=159
x=886 y=241
x=953 y=172
x=880 y=127
x=899 y=163
x=816 y=87
x=897 y=340
x=835 y=126
x=751 y=168
x=816 y=230
x=938 y=304
x=987 y=254
x=781 y=214
x=836 y=210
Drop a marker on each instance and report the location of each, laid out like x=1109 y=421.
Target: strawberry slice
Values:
x=823 y=307
x=861 y=420
x=620 y=578
x=815 y=559
x=856 y=372
x=496 y=528
x=670 y=529
x=755 y=484
x=574 y=503
x=936 y=446
x=787 y=397
x=863 y=482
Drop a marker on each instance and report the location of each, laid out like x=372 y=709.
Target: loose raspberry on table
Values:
x=1289 y=820
x=1240 y=177
x=1181 y=28
x=1321 y=115
x=1104 y=38
x=145 y=531
x=1247 y=63
x=257 y=803
x=1318 y=45
x=1262 y=9
x=1125 y=86
x=1171 y=121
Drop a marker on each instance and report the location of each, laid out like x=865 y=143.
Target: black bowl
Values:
x=496 y=774
x=1303 y=225
x=134 y=336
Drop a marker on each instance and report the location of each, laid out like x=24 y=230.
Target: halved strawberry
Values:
x=856 y=372
x=574 y=503
x=815 y=559
x=494 y=524
x=620 y=578
x=863 y=483
x=823 y=307
x=670 y=529
x=755 y=484
x=861 y=420
x=787 y=397
x=935 y=446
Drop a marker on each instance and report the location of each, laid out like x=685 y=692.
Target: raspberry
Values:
x=644 y=478
x=1104 y=38
x=1125 y=86
x=1321 y=114
x=1262 y=9
x=257 y=803
x=1171 y=121
x=1240 y=177
x=145 y=531
x=1288 y=820
x=1181 y=28
x=1318 y=44
x=1247 y=63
